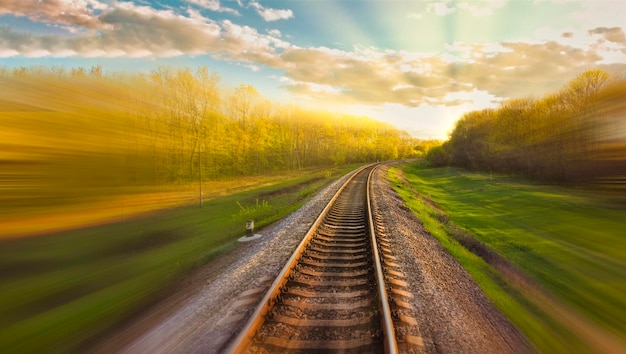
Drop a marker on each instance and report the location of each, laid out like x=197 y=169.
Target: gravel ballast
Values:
x=453 y=314
x=207 y=308
x=212 y=304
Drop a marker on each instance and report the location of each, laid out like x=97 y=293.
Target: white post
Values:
x=249 y=228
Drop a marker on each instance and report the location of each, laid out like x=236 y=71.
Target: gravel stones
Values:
x=204 y=313
x=452 y=313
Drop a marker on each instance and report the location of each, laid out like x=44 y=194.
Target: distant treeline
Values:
x=574 y=136
x=83 y=127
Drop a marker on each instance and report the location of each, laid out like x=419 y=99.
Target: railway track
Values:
x=331 y=296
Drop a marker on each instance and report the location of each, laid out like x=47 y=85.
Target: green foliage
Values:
x=577 y=135
x=257 y=211
x=533 y=323
x=84 y=136
x=164 y=127
x=61 y=292
x=569 y=241
x=251 y=209
x=438 y=155
x=423 y=147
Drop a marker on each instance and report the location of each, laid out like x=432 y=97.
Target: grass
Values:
x=569 y=241
x=87 y=207
x=62 y=291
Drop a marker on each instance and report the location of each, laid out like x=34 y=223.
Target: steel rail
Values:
x=391 y=345
x=245 y=337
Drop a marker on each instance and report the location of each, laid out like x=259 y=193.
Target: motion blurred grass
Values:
x=570 y=241
x=60 y=292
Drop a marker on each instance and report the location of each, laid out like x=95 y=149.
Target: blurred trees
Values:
x=576 y=135
x=88 y=128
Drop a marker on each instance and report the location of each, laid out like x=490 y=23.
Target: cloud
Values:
x=363 y=75
x=15 y=43
x=613 y=34
x=275 y=33
x=214 y=5
x=144 y=31
x=476 y=8
x=442 y=8
x=244 y=43
x=81 y=13
x=270 y=15
x=466 y=71
x=470 y=97
x=524 y=68
x=129 y=30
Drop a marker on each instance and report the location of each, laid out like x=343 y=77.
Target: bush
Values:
x=437 y=156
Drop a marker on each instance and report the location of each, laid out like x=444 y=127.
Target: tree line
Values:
x=171 y=126
x=574 y=136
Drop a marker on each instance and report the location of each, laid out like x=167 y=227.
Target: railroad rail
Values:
x=331 y=295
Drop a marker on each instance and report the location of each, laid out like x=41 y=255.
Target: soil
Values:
x=213 y=303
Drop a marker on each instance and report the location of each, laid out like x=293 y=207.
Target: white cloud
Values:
x=8 y=53
x=363 y=75
x=144 y=31
x=214 y=5
x=608 y=42
x=482 y=98
x=130 y=30
x=275 y=33
x=401 y=87
x=244 y=43
x=196 y=15
x=270 y=15
x=442 y=8
x=81 y=13
x=465 y=71
x=478 y=8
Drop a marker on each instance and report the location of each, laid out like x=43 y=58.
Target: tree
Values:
x=552 y=139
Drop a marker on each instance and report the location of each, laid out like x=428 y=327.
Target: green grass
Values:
x=570 y=241
x=61 y=292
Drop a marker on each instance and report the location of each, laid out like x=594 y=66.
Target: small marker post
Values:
x=249 y=228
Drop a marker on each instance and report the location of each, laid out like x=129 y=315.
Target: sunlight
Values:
x=138 y=137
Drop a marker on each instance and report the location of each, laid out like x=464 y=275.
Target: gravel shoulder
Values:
x=453 y=314
x=214 y=302
x=206 y=309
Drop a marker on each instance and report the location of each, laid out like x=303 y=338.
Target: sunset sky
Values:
x=416 y=64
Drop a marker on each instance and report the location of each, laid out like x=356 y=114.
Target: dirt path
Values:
x=213 y=303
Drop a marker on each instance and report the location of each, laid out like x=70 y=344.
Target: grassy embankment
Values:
x=568 y=241
x=59 y=292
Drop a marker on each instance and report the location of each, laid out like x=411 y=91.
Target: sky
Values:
x=417 y=64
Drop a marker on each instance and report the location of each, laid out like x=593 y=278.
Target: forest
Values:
x=574 y=136
x=70 y=134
